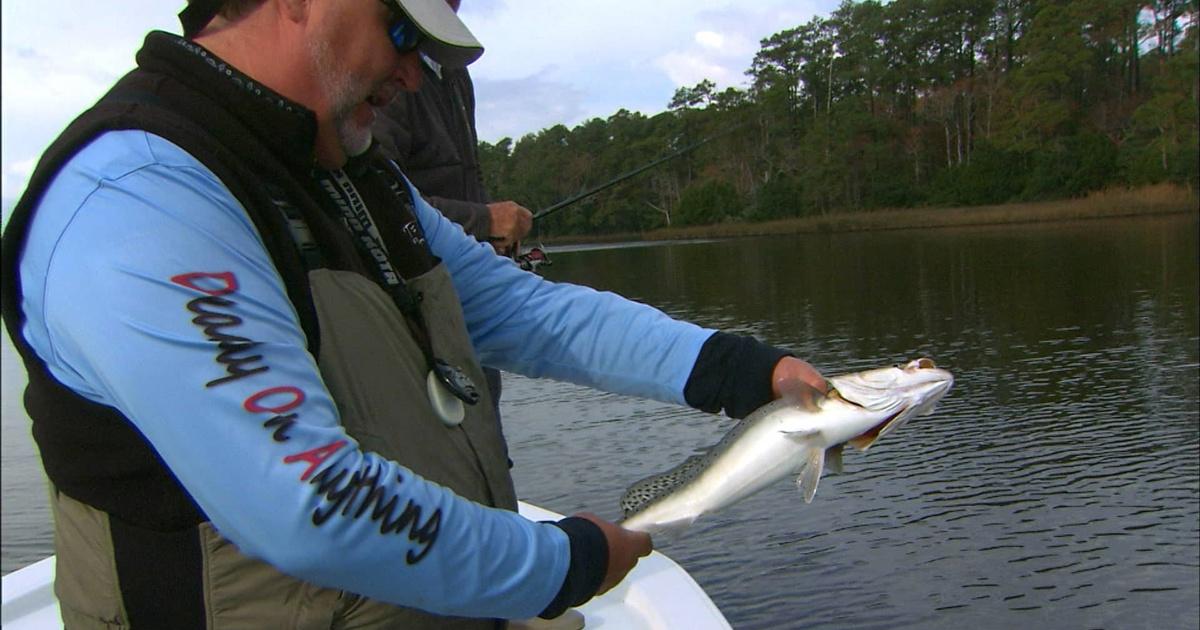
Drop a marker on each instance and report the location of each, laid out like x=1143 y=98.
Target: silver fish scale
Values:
x=654 y=486
x=647 y=490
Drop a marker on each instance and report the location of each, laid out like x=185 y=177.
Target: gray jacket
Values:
x=431 y=134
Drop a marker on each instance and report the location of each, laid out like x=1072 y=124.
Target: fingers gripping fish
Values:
x=800 y=434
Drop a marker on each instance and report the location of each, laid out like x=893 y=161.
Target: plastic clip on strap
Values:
x=449 y=387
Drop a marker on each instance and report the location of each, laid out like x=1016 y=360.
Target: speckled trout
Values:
x=801 y=433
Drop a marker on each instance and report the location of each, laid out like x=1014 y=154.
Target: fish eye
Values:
x=925 y=363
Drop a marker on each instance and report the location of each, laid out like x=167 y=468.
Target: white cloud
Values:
x=725 y=41
x=19 y=173
x=57 y=58
x=515 y=107
x=688 y=69
x=547 y=62
x=14 y=178
x=36 y=105
x=612 y=55
x=709 y=39
x=40 y=98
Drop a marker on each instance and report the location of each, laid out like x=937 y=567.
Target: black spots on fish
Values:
x=653 y=487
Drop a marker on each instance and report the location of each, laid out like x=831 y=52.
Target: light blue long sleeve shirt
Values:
x=132 y=211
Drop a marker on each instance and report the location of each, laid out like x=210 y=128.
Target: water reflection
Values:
x=25 y=508
x=1058 y=484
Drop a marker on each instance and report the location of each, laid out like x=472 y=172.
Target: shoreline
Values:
x=1162 y=199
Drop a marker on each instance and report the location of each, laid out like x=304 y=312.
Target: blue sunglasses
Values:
x=404 y=33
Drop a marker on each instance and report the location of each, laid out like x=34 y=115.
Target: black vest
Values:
x=261 y=148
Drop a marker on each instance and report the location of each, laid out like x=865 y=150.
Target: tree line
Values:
x=908 y=103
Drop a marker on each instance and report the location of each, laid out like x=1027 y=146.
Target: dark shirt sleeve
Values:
x=589 y=563
x=474 y=218
x=733 y=373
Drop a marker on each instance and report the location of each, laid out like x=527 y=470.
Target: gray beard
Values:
x=339 y=89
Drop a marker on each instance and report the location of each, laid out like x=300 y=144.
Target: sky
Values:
x=547 y=62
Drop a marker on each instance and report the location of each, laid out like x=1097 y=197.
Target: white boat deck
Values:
x=657 y=595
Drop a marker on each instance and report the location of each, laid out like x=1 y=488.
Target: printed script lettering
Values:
x=215 y=314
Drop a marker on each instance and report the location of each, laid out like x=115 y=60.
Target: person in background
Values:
x=431 y=134
x=254 y=350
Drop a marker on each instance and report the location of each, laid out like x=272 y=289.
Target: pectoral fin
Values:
x=833 y=458
x=810 y=475
x=800 y=394
x=863 y=442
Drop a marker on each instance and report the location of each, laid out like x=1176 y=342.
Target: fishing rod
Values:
x=536 y=257
x=624 y=176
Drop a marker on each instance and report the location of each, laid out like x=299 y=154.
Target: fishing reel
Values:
x=532 y=258
x=528 y=259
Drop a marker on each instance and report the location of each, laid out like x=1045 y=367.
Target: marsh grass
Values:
x=1116 y=202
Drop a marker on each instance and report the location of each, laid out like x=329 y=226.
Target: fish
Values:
x=802 y=433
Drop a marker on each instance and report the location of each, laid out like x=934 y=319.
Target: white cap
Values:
x=447 y=40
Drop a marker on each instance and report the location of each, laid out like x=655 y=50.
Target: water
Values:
x=24 y=511
x=1058 y=484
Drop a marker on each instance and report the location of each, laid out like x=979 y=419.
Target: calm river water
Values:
x=1058 y=485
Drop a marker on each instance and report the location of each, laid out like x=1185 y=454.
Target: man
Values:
x=431 y=134
x=253 y=349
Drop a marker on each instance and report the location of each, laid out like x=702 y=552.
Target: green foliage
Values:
x=701 y=94
x=993 y=176
x=1163 y=141
x=891 y=104
x=779 y=198
x=1095 y=159
x=708 y=202
x=1083 y=163
x=494 y=162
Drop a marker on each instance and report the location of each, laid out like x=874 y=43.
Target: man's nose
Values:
x=408 y=71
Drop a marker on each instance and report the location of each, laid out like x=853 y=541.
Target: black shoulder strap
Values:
x=283 y=227
x=98 y=457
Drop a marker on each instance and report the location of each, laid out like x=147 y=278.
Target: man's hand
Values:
x=510 y=223
x=624 y=548
x=796 y=378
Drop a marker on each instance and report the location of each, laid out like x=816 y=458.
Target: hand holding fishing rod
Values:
x=510 y=223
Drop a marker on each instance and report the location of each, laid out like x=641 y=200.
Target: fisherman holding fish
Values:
x=255 y=352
